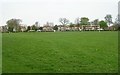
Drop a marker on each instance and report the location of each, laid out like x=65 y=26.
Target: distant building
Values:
x=90 y=27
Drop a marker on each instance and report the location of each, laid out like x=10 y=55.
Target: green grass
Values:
x=0 y=53
x=60 y=52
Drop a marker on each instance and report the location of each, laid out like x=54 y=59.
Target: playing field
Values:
x=0 y=53
x=55 y=52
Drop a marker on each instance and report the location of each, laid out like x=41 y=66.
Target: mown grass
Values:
x=60 y=52
x=0 y=53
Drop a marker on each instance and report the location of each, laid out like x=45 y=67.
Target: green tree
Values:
x=108 y=19
x=13 y=24
x=55 y=27
x=28 y=28
x=103 y=24
x=34 y=27
x=41 y=28
x=84 y=21
x=71 y=25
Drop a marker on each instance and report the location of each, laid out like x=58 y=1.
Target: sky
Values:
x=30 y=11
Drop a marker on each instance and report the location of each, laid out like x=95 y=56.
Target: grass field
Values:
x=0 y=53
x=66 y=52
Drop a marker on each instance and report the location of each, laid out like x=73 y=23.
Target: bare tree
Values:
x=63 y=21
x=77 y=21
x=108 y=19
x=49 y=24
x=95 y=22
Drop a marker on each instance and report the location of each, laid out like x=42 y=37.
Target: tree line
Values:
x=14 y=24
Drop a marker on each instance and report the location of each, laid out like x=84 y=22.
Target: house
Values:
x=23 y=28
x=90 y=27
x=47 y=28
x=68 y=28
x=114 y=27
x=63 y=28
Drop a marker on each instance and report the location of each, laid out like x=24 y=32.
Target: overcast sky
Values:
x=42 y=11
